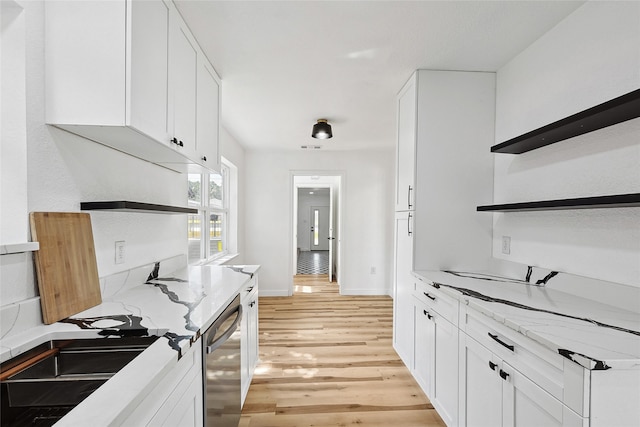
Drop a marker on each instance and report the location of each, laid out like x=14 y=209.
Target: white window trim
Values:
x=205 y=210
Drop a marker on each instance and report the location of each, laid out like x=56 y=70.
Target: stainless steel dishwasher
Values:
x=221 y=360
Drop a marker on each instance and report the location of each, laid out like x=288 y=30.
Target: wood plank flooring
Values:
x=328 y=360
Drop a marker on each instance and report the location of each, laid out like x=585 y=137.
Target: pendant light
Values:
x=322 y=130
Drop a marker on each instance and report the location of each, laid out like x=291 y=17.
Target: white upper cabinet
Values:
x=148 y=94
x=208 y=117
x=406 y=146
x=183 y=68
x=125 y=73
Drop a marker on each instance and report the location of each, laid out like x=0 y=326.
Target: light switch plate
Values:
x=119 y=256
x=506 y=245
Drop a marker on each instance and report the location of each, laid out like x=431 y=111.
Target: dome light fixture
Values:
x=322 y=130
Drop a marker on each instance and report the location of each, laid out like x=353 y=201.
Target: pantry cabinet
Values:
x=404 y=284
x=130 y=75
x=443 y=165
x=406 y=146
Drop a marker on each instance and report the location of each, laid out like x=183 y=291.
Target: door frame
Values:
x=327 y=178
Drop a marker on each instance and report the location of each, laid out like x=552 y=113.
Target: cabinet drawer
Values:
x=560 y=377
x=437 y=301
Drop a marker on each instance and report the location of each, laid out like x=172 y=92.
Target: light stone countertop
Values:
x=590 y=333
x=178 y=307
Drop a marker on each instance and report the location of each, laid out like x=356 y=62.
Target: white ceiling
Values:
x=285 y=64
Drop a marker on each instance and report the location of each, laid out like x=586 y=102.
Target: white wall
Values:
x=64 y=170
x=367 y=214
x=589 y=58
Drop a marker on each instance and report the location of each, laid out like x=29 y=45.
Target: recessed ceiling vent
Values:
x=311 y=147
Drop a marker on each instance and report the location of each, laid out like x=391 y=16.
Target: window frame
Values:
x=205 y=209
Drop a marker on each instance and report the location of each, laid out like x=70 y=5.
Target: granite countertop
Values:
x=590 y=333
x=178 y=307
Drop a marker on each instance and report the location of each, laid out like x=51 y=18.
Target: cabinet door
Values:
x=424 y=348
x=480 y=385
x=188 y=411
x=444 y=393
x=208 y=118
x=252 y=348
x=525 y=404
x=249 y=339
x=148 y=63
x=182 y=79
x=406 y=147
x=403 y=289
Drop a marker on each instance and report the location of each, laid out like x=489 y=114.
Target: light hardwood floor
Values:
x=328 y=360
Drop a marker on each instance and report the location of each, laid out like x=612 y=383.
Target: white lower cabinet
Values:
x=249 y=334
x=187 y=410
x=435 y=364
x=495 y=394
x=178 y=399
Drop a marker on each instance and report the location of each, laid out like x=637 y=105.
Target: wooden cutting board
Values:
x=66 y=265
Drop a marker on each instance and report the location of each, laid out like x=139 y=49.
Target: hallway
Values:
x=313 y=262
x=327 y=360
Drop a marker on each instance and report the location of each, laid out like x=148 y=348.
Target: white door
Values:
x=319 y=228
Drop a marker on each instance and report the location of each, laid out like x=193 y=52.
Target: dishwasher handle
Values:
x=212 y=346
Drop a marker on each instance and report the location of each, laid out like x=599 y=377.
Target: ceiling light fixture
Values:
x=322 y=130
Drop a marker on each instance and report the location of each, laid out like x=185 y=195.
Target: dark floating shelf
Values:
x=615 y=201
x=124 y=206
x=617 y=110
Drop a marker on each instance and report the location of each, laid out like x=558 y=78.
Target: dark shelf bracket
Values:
x=617 y=110
x=126 y=206
x=614 y=201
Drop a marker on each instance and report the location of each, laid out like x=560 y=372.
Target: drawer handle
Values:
x=426 y=313
x=431 y=297
x=493 y=366
x=249 y=289
x=503 y=375
x=499 y=341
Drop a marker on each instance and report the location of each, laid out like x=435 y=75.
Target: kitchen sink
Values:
x=42 y=385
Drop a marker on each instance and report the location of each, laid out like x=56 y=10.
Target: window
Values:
x=208 y=229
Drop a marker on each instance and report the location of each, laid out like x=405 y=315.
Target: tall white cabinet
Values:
x=444 y=169
x=404 y=204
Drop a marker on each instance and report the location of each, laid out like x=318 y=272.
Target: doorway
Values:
x=316 y=220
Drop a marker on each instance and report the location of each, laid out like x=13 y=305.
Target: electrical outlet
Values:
x=119 y=252
x=506 y=245
x=373 y=270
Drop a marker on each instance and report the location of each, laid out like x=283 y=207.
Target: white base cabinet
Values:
x=249 y=334
x=435 y=364
x=178 y=399
x=496 y=394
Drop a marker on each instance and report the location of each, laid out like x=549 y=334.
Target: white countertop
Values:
x=179 y=307
x=592 y=334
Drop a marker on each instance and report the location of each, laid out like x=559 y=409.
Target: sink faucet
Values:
x=540 y=282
